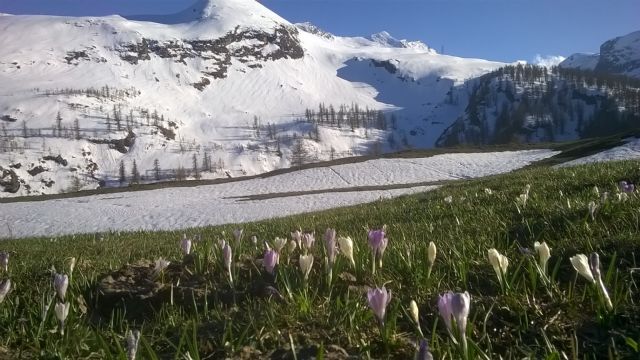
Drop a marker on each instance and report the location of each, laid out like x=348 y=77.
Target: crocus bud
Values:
x=254 y=240
x=346 y=248
x=279 y=244
x=4 y=261
x=330 y=245
x=133 y=338
x=581 y=264
x=270 y=260
x=227 y=255
x=444 y=308
x=292 y=246
x=5 y=287
x=592 y=209
x=431 y=253
x=415 y=314
x=460 y=306
x=62 y=311
x=60 y=284
x=308 y=239
x=237 y=234
x=306 y=263
x=544 y=253
x=297 y=237
x=185 y=245
x=378 y=300
x=594 y=265
x=72 y=265
x=499 y=262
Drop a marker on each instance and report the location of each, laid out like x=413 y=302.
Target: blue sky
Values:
x=505 y=30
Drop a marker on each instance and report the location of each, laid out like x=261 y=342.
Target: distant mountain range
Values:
x=228 y=88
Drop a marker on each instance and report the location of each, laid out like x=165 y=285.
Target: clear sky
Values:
x=505 y=30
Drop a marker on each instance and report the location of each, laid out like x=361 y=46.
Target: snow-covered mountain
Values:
x=223 y=87
x=620 y=56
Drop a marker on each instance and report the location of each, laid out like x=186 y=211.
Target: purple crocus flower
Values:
x=626 y=187
x=270 y=260
x=378 y=300
x=456 y=306
x=375 y=238
x=423 y=351
x=330 y=245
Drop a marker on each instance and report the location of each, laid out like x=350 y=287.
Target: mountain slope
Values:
x=620 y=56
x=218 y=87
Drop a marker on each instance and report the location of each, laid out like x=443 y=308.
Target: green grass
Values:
x=211 y=319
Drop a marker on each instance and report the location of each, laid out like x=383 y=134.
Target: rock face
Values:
x=620 y=56
x=246 y=46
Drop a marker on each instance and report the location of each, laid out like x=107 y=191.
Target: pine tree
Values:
x=76 y=129
x=59 y=124
x=123 y=176
x=298 y=153
x=196 y=170
x=156 y=169
x=135 y=175
x=108 y=124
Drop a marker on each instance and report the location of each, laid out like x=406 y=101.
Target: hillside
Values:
x=221 y=87
x=527 y=103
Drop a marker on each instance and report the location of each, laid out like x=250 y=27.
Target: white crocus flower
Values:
x=346 y=248
x=415 y=313
x=279 y=244
x=133 y=338
x=544 y=253
x=62 y=311
x=499 y=262
x=580 y=262
x=306 y=263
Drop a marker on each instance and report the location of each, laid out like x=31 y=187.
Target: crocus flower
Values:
x=308 y=239
x=306 y=263
x=431 y=257
x=279 y=243
x=160 y=265
x=346 y=248
x=448 y=199
x=133 y=338
x=72 y=265
x=594 y=265
x=544 y=253
x=292 y=246
x=270 y=260
x=580 y=262
x=423 y=351
x=62 y=311
x=488 y=191
x=456 y=306
x=377 y=240
x=499 y=262
x=622 y=197
x=4 y=261
x=254 y=240
x=227 y=255
x=5 y=287
x=237 y=234
x=431 y=253
x=415 y=313
x=626 y=187
x=378 y=300
x=185 y=245
x=297 y=237
x=592 y=209
x=444 y=308
x=60 y=284
x=330 y=245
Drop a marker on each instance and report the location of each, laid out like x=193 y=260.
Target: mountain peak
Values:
x=385 y=39
x=225 y=13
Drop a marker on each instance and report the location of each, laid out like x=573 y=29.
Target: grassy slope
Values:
x=530 y=320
